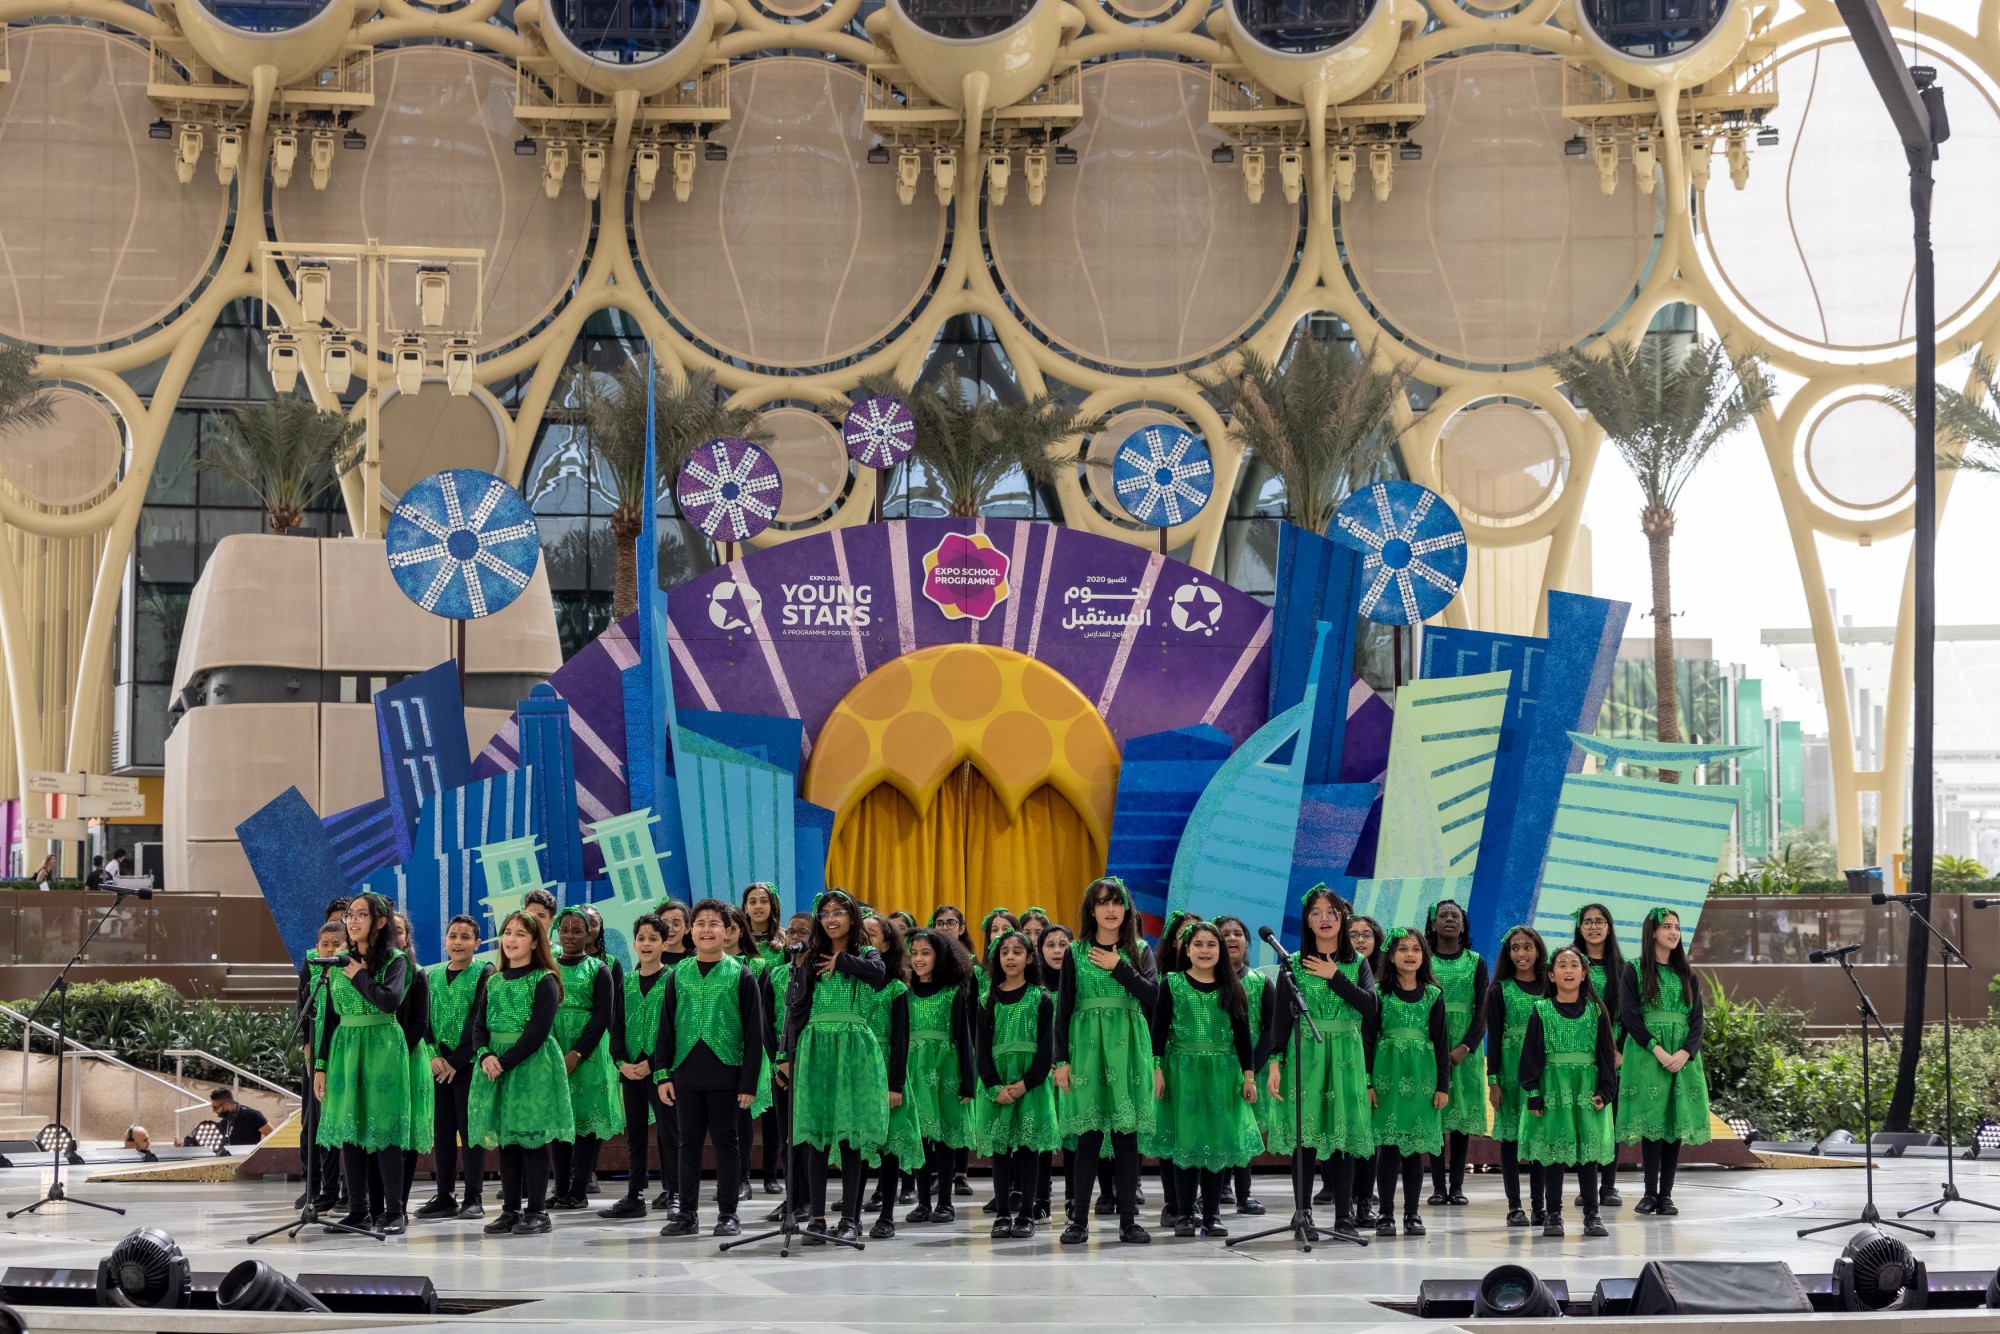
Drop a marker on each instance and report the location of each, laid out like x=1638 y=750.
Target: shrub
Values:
x=140 y=1021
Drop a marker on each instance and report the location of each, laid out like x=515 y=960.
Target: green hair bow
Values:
x=1187 y=928
x=1305 y=900
x=1431 y=915
x=1660 y=914
x=826 y=894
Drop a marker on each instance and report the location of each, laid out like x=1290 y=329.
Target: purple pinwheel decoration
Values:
x=879 y=431
x=1413 y=550
x=729 y=489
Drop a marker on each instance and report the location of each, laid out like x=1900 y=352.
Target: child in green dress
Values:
x=1523 y=981
x=890 y=1018
x=583 y=1027
x=1332 y=1118
x=739 y=944
x=938 y=1076
x=1365 y=934
x=1015 y=1118
x=1567 y=1078
x=830 y=1054
x=1597 y=936
x=777 y=982
x=950 y=919
x=767 y=932
x=1204 y=1079
x=1104 y=1054
x=1257 y=998
x=414 y=1016
x=1461 y=974
x=520 y=1095
x=1409 y=1076
x=1051 y=958
x=454 y=985
x=362 y=1071
x=632 y=1039
x=1662 y=1087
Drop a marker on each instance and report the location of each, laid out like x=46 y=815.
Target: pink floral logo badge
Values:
x=966 y=577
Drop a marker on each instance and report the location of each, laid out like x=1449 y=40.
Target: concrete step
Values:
x=263 y=982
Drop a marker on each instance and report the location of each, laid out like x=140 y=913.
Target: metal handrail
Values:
x=179 y=1055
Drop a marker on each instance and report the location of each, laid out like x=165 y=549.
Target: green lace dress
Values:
x=1202 y=1122
x=1265 y=1107
x=595 y=1103
x=1569 y=1131
x=367 y=1065
x=1653 y=1104
x=932 y=1080
x=1110 y=1055
x=1518 y=1003
x=1465 y=1114
x=906 y=1141
x=840 y=1082
x=1405 y=1074
x=528 y=1106
x=1030 y=1122
x=1335 y=1115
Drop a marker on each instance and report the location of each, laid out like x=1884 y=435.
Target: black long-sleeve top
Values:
x=603 y=1006
x=620 y=1052
x=541 y=1018
x=1534 y=1053
x=1358 y=993
x=415 y=1012
x=1140 y=982
x=767 y=1005
x=1267 y=1021
x=897 y=1058
x=1044 y=1061
x=867 y=969
x=1633 y=1019
x=964 y=1002
x=1371 y=1034
x=1163 y=1023
x=1482 y=980
x=1496 y=1020
x=385 y=993
x=474 y=976
x=614 y=1023
x=703 y=1070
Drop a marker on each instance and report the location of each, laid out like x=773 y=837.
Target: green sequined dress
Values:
x=367 y=1067
x=1405 y=1077
x=839 y=1080
x=906 y=1141
x=1110 y=1055
x=1336 y=1117
x=1266 y=1107
x=1569 y=1131
x=595 y=1103
x=931 y=1077
x=1029 y=1122
x=1202 y=1122
x=1465 y=1114
x=1653 y=1104
x=1518 y=1003
x=528 y=1106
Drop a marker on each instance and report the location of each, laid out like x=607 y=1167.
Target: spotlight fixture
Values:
x=1576 y=146
x=228 y=153
x=1745 y=1131
x=1985 y=1137
x=878 y=156
x=336 y=362
x=590 y=164
x=322 y=158
x=1605 y=149
x=1253 y=173
x=145 y=1269
x=714 y=152
x=409 y=361
x=944 y=166
x=354 y=139
x=524 y=147
x=1736 y=147
x=1410 y=152
x=1513 y=1292
x=1222 y=155
x=433 y=295
x=284 y=155
x=161 y=129
x=187 y=152
x=458 y=366
x=313 y=282
x=1381 y=171
x=555 y=165
x=282 y=360
x=646 y=170
x=999 y=167
x=1879 y=1273
x=1065 y=156
x=909 y=170
x=1344 y=163
x=683 y=163
x=1035 y=170
x=1644 y=162
x=255 y=1286
x=1292 y=173
x=208 y=1135
x=1767 y=136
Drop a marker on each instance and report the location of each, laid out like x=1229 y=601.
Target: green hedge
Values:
x=137 y=1021
x=29 y=884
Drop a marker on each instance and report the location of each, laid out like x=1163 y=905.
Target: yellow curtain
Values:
x=966 y=851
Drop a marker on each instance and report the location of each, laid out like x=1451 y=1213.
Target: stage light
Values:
x=409 y=362
x=355 y=140
x=1512 y=1292
x=146 y=1269
x=1643 y=162
x=281 y=359
x=909 y=170
x=1576 y=146
x=1879 y=1273
x=646 y=170
x=1605 y=149
x=1743 y=1127
x=1736 y=146
x=1344 y=163
x=1410 y=152
x=1381 y=171
x=945 y=165
x=1035 y=167
x=255 y=1286
x=373 y=1294
x=161 y=129
x=998 y=168
x=284 y=155
x=1065 y=156
x=524 y=147
x=555 y=165
x=228 y=153
x=684 y=160
x=714 y=152
x=1612 y=1297
x=878 y=156
x=458 y=366
x=336 y=363
x=312 y=282
x=1698 y=162
x=1292 y=173
x=187 y=152
x=1253 y=173
x=322 y=158
x=1985 y=1136
x=208 y=1134
x=590 y=163
x=433 y=295
x=1767 y=137
x=1222 y=155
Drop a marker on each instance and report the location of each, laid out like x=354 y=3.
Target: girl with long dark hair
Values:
x=362 y=1070
x=520 y=1093
x=1567 y=1078
x=1662 y=1087
x=1523 y=980
x=1462 y=976
x=1409 y=1076
x=1597 y=936
x=1014 y=1120
x=1204 y=1079
x=939 y=1073
x=454 y=986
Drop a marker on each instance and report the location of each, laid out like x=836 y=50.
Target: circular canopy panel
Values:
x=880 y=431
x=1652 y=29
x=1857 y=453
x=1816 y=247
x=98 y=237
x=1301 y=27
x=1413 y=550
x=1496 y=248
x=268 y=16
x=812 y=462
x=729 y=489
x=624 y=32
x=463 y=544
x=440 y=170
x=794 y=252
x=1145 y=254
x=1162 y=475
x=70 y=461
x=1502 y=462
x=435 y=430
x=965 y=20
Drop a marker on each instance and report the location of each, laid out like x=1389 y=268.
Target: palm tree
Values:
x=288 y=451
x=1665 y=404
x=969 y=443
x=1948 y=867
x=1322 y=415
x=23 y=400
x=1967 y=426
x=686 y=415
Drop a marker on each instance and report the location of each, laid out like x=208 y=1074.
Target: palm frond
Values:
x=687 y=414
x=1968 y=426
x=287 y=451
x=24 y=400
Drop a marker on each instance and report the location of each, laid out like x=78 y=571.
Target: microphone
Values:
x=1986 y=903
x=1270 y=937
x=796 y=948
x=126 y=891
x=332 y=961
x=1884 y=896
x=1822 y=956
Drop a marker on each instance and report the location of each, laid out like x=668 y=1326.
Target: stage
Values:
x=606 y=1278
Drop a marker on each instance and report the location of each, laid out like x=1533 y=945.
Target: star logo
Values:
x=1197 y=608
x=733 y=605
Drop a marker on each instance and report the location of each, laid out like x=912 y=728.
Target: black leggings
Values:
x=1125 y=1167
x=374 y=1180
x=524 y=1172
x=773 y=1169
x=449 y=1101
x=1391 y=1162
x=1197 y=1192
x=1014 y=1179
x=1458 y=1149
x=1045 y=1164
x=850 y=1181
x=642 y=1102
x=1660 y=1159
x=935 y=1174
x=576 y=1164
x=1511 y=1168
x=1364 y=1183
x=708 y=1114
x=1552 y=1186
x=1339 y=1172
x=1242 y=1184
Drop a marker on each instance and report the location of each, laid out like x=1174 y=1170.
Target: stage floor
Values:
x=611 y=1277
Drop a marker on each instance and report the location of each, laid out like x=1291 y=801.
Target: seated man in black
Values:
x=240 y=1124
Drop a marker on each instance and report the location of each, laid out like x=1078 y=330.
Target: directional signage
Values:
x=66 y=830
x=91 y=808
x=80 y=785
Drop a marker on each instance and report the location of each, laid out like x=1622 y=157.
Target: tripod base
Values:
x=785 y=1232
x=309 y=1217
x=1303 y=1234
x=57 y=1195
x=1870 y=1217
x=1950 y=1196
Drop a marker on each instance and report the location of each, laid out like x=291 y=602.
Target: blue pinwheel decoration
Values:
x=1413 y=550
x=1162 y=475
x=879 y=431
x=730 y=489
x=463 y=544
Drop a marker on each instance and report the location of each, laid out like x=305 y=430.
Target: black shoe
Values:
x=1554 y=1226
x=393 y=1225
x=631 y=1206
x=531 y=1224
x=379 y=1221
x=1132 y=1234
x=300 y=1202
x=771 y=1186
x=907 y=1195
x=667 y=1202
x=566 y=1203
x=920 y=1214
x=815 y=1234
x=1003 y=1228
x=884 y=1229
x=1042 y=1213
x=1413 y=1226
x=1539 y=1217
x=1593 y=1226
x=1344 y=1225
x=439 y=1206
x=777 y=1215
x=849 y=1230
x=1579 y=1201
x=326 y=1204
x=875 y=1199
x=1024 y=1226
x=362 y=1221
x=1107 y=1206
x=961 y=1187
x=726 y=1226
x=1250 y=1204
x=1139 y=1197
x=1228 y=1195
x=1312 y=1228
x=1610 y=1196
x=1437 y=1198
x=1518 y=1218
x=1183 y=1226
x=1168 y=1217
x=1458 y=1198
x=1385 y=1226
x=591 y=1187
x=992 y=1206
x=472 y=1209
x=1324 y=1195
x=1365 y=1215
x=503 y=1223
x=1667 y=1206
x=943 y=1213
x=681 y=1225
x=1074 y=1232
x=1212 y=1227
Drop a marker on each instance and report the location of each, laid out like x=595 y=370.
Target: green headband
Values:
x=1396 y=933
x=1118 y=882
x=1038 y=912
x=986 y=922
x=1431 y=916
x=826 y=894
x=1305 y=900
x=1660 y=914
x=1187 y=928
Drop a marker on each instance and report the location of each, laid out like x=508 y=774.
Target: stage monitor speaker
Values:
x=373 y=1294
x=1454 y=1298
x=23 y=1286
x=1718 y=1287
x=1612 y=1297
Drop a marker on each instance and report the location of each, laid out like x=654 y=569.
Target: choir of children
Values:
x=892 y=1047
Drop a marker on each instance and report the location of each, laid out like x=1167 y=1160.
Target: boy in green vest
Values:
x=707 y=1061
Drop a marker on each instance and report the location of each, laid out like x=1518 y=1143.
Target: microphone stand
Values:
x=1947 y=951
x=61 y=1142
x=1870 y=1216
